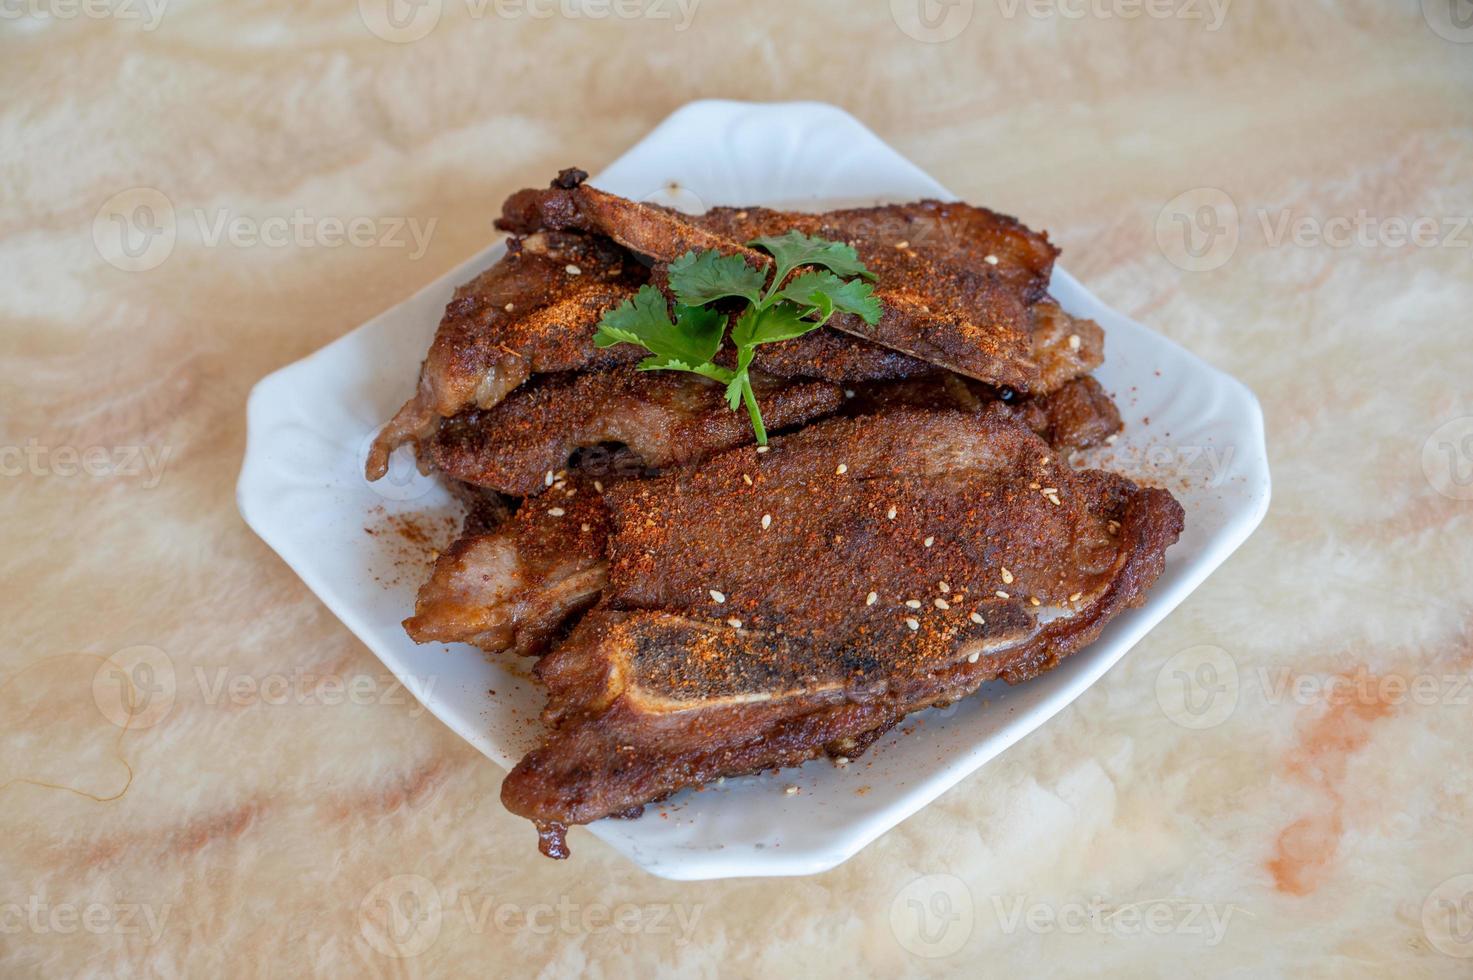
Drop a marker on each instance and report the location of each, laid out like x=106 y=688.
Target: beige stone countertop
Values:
x=1321 y=827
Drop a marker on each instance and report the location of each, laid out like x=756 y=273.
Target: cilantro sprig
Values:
x=777 y=308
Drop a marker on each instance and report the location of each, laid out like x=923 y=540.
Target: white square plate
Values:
x=302 y=490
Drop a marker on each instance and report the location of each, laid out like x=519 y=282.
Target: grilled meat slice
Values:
x=534 y=311
x=965 y=317
x=511 y=586
x=666 y=418
x=1076 y=416
x=725 y=644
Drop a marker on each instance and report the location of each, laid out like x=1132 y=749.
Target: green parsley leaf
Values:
x=704 y=277
x=851 y=296
x=692 y=340
x=783 y=321
x=795 y=248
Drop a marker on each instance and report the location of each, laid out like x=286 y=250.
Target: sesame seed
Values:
x=509 y=307
x=1053 y=498
x=974 y=656
x=912 y=623
x=572 y=270
x=1034 y=600
x=556 y=511
x=734 y=623
x=1074 y=341
x=791 y=791
x=941 y=586
x=547 y=480
x=1112 y=439
x=598 y=485
x=585 y=528
x=1001 y=594
x=717 y=596
x=1076 y=597
x=913 y=603
x=928 y=542
x=763 y=449
x=890 y=513
x=747 y=479
x=1049 y=490
x=848 y=392
x=766 y=521
x=741 y=216
x=941 y=603
x=872 y=598
x=841 y=469
x=902 y=244
x=842 y=760
x=976 y=617
x=991 y=260
x=1007 y=577
x=1114 y=527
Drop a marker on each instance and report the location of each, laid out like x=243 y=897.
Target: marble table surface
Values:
x=1283 y=188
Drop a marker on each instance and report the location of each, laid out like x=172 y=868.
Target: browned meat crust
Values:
x=665 y=418
x=1076 y=416
x=656 y=690
x=534 y=311
x=968 y=317
x=512 y=586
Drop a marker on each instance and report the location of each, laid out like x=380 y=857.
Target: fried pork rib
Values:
x=665 y=418
x=532 y=312
x=957 y=282
x=512 y=586
x=874 y=566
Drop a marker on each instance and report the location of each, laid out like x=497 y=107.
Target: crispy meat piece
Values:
x=534 y=311
x=966 y=317
x=666 y=418
x=511 y=586
x=1076 y=416
x=655 y=690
